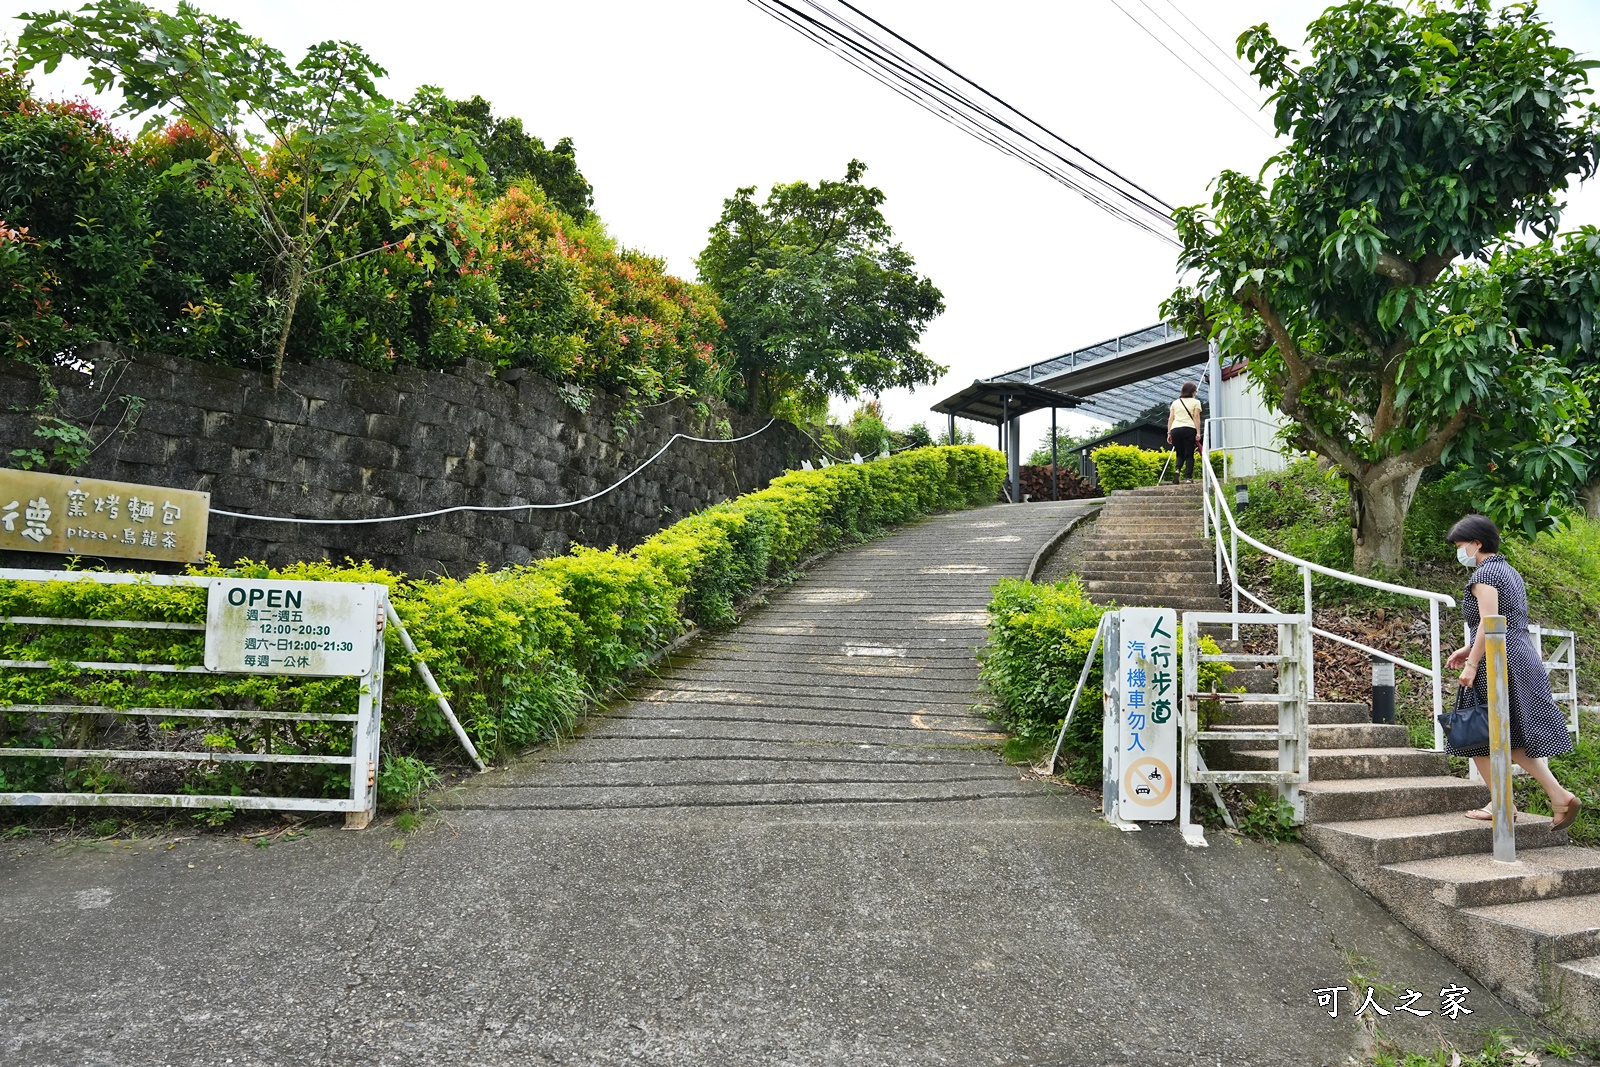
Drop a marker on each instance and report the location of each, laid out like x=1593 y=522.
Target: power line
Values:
x=1248 y=94
x=1229 y=56
x=1049 y=132
x=1212 y=85
x=928 y=91
x=918 y=86
x=1076 y=169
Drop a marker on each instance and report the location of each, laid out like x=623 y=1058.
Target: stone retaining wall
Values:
x=339 y=441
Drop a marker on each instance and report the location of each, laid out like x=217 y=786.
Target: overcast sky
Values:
x=673 y=105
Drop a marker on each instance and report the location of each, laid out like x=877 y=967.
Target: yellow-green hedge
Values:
x=519 y=651
x=1130 y=467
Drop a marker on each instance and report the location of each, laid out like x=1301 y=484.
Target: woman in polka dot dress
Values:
x=1538 y=729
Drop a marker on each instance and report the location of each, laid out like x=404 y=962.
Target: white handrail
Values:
x=1216 y=510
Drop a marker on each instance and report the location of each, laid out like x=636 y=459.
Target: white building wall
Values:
x=1248 y=428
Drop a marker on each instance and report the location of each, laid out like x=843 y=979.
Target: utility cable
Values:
x=1248 y=93
x=503 y=507
x=1229 y=56
x=908 y=89
x=926 y=89
x=1213 y=87
x=1151 y=197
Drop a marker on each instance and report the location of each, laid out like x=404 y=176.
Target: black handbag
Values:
x=1466 y=728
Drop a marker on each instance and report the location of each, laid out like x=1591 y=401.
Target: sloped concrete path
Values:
x=786 y=850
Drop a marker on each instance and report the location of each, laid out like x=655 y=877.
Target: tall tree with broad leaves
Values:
x=1553 y=292
x=819 y=301
x=511 y=153
x=1419 y=139
x=302 y=146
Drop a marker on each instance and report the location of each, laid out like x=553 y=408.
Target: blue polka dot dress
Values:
x=1537 y=724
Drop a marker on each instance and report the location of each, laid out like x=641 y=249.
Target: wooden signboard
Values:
x=89 y=517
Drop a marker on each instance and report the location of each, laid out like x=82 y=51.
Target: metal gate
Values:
x=1292 y=700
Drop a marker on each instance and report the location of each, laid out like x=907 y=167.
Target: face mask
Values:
x=1464 y=557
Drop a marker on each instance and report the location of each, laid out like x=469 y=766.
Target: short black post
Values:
x=1382 y=690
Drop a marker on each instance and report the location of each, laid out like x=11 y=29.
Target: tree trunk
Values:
x=296 y=280
x=1378 y=521
x=1590 y=495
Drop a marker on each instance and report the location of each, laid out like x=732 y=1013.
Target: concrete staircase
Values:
x=1148 y=549
x=1388 y=816
x=1391 y=819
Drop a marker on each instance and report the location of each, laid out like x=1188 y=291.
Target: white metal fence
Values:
x=1290 y=732
x=358 y=805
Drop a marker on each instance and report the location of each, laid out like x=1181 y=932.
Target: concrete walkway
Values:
x=792 y=848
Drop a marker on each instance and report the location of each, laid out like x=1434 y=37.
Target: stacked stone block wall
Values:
x=336 y=441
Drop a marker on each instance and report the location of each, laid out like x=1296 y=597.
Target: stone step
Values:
x=1139 y=525
x=1152 y=586
x=1353 y=799
x=1335 y=736
x=1480 y=881
x=1114 y=569
x=1145 y=574
x=1175 y=603
x=1319 y=712
x=1566 y=927
x=1176 y=514
x=1146 y=555
x=1333 y=764
x=1144 y=539
x=1252 y=679
x=1577 y=991
x=1180 y=489
x=1358 y=846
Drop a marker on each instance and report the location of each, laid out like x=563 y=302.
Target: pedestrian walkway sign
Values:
x=1141 y=716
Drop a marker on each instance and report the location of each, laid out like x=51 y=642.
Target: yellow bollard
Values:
x=1494 y=663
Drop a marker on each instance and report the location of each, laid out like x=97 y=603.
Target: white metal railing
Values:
x=1563 y=661
x=1218 y=519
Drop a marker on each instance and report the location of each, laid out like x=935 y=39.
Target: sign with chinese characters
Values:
x=315 y=629
x=88 y=517
x=1147 y=722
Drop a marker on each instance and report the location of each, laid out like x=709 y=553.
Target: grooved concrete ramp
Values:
x=791 y=848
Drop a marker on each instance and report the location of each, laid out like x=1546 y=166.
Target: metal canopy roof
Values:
x=1117 y=380
x=992 y=400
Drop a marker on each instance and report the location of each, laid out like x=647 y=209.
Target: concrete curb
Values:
x=1050 y=545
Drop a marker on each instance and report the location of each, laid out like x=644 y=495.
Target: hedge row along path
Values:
x=879 y=890
x=857 y=685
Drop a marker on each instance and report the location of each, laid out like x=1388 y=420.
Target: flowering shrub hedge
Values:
x=519 y=651
x=1039 y=637
x=101 y=239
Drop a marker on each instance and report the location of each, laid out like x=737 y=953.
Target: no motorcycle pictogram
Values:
x=1147 y=781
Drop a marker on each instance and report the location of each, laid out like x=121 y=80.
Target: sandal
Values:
x=1566 y=814
x=1485 y=815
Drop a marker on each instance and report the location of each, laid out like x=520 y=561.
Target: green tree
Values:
x=818 y=298
x=1417 y=138
x=510 y=154
x=331 y=145
x=1066 y=443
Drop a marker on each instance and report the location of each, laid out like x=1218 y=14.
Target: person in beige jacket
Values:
x=1184 y=420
